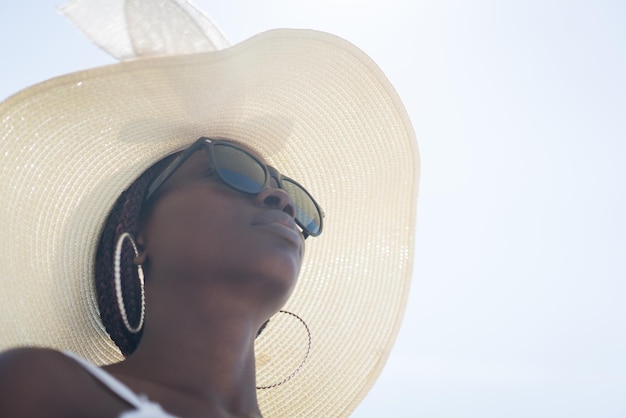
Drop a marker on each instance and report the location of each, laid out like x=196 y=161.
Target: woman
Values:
x=220 y=255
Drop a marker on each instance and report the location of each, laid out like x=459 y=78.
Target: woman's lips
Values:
x=279 y=223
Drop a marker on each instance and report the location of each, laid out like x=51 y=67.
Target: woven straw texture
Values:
x=313 y=105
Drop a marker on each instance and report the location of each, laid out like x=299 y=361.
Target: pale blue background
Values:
x=518 y=302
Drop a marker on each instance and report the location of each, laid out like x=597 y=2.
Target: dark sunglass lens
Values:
x=238 y=169
x=307 y=213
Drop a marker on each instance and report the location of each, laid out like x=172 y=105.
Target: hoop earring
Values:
x=306 y=356
x=118 y=283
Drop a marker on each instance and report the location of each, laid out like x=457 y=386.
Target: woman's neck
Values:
x=198 y=344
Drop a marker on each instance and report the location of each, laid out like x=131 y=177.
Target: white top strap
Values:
x=145 y=408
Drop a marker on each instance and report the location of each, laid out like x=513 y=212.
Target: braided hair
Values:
x=126 y=216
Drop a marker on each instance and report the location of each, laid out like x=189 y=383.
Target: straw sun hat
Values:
x=312 y=104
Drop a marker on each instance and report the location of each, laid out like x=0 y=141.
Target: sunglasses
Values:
x=242 y=171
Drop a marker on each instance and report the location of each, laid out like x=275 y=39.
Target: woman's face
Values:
x=201 y=229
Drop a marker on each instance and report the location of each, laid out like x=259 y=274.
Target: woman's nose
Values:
x=273 y=197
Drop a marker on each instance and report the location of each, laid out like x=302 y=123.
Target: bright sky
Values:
x=518 y=301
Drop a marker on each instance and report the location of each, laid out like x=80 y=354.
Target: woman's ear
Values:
x=141 y=249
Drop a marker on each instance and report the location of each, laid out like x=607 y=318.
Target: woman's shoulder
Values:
x=46 y=383
x=25 y=359
x=30 y=368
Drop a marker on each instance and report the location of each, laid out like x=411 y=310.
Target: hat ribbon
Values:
x=130 y=29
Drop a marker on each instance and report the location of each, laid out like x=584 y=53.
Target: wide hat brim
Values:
x=313 y=105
